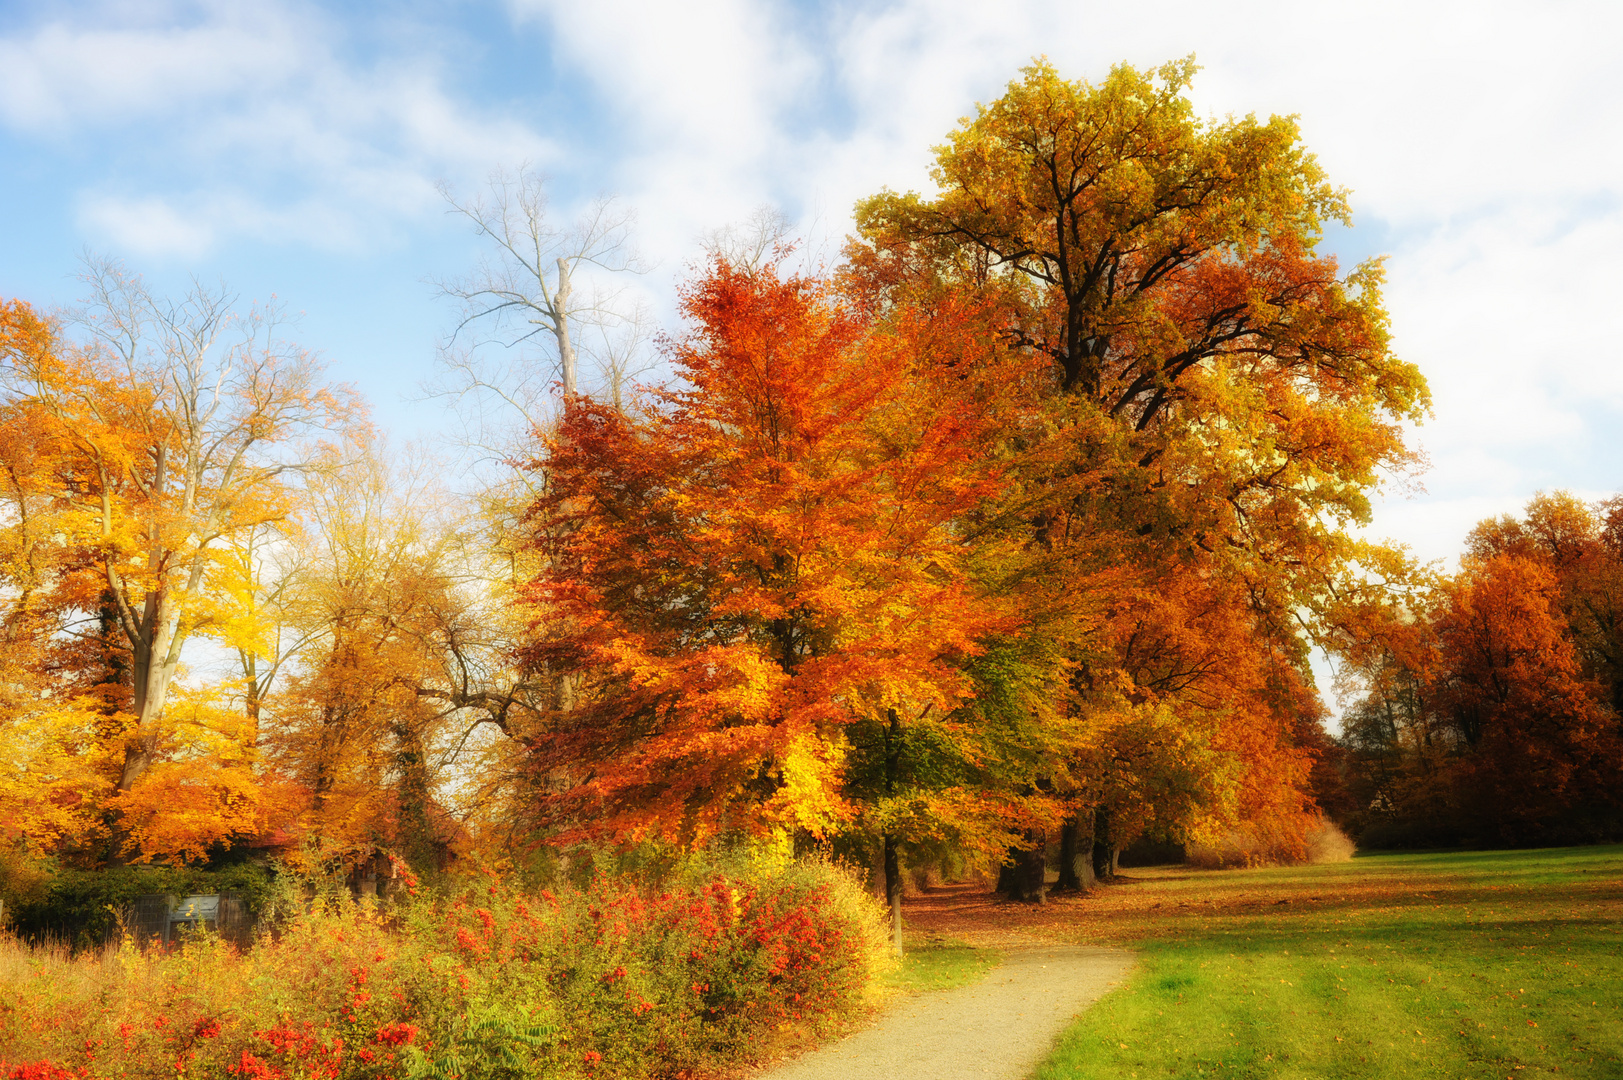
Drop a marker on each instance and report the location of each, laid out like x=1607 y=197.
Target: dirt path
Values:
x=1001 y=1027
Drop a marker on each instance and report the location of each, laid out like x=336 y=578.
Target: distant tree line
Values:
x=1488 y=703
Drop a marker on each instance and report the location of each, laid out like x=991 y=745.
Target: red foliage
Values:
x=1536 y=736
x=398 y=1034
x=302 y=1051
x=253 y=1068
x=758 y=564
x=41 y=1070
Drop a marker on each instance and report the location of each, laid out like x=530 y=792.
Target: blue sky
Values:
x=292 y=149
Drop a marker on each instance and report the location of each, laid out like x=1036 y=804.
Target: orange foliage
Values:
x=1188 y=643
x=1490 y=707
x=1536 y=739
x=129 y=456
x=765 y=558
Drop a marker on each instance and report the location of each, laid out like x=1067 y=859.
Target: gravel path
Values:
x=1001 y=1027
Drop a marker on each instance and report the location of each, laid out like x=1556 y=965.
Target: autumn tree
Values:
x=1220 y=396
x=1166 y=269
x=1486 y=705
x=1535 y=741
x=751 y=566
x=1582 y=544
x=173 y=427
x=48 y=789
x=366 y=723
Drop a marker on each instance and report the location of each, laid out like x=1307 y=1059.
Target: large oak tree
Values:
x=1221 y=397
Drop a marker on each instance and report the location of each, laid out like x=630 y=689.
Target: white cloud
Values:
x=150 y=225
x=700 y=96
x=1513 y=318
x=705 y=77
x=189 y=226
x=1483 y=139
x=62 y=76
x=251 y=111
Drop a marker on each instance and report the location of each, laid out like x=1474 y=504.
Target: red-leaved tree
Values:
x=1537 y=740
x=764 y=556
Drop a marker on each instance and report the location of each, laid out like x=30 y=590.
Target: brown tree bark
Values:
x=1024 y=873
x=893 y=891
x=1075 y=855
x=1104 y=853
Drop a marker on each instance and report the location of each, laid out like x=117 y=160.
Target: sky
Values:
x=294 y=150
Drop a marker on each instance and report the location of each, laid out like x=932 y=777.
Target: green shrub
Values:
x=80 y=908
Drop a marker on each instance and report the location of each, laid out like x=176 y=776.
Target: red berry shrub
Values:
x=621 y=979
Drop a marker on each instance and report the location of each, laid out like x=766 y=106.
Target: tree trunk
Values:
x=564 y=693
x=250 y=692
x=1075 y=856
x=893 y=891
x=1034 y=871
x=1007 y=875
x=116 y=677
x=1069 y=879
x=1024 y=875
x=893 y=861
x=155 y=656
x=1103 y=857
x=560 y=328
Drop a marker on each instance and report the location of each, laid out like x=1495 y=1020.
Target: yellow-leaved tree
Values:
x=1220 y=399
x=158 y=431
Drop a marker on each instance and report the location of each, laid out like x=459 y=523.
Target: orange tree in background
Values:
x=1536 y=742
x=760 y=560
x=360 y=728
x=171 y=428
x=1220 y=399
x=1582 y=545
x=1489 y=711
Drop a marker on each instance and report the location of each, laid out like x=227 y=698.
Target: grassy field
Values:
x=940 y=964
x=1481 y=964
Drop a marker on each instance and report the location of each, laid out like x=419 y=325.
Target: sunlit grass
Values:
x=1482 y=964
x=940 y=965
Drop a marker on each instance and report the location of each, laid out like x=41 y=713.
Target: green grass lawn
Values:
x=940 y=965
x=1479 y=964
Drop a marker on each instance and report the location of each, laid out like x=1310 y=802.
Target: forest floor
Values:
x=1460 y=964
